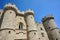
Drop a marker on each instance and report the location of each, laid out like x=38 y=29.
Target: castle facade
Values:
x=16 y=25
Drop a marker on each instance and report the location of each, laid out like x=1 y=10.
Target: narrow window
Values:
x=10 y=12
x=42 y=34
x=27 y=25
x=34 y=33
x=31 y=16
x=49 y=27
x=9 y=31
x=56 y=39
x=21 y=26
x=41 y=28
x=39 y=38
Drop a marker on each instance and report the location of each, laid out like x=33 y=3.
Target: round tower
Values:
x=31 y=26
x=51 y=27
x=7 y=26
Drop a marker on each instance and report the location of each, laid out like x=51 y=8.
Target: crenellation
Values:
x=29 y=10
x=48 y=17
x=10 y=5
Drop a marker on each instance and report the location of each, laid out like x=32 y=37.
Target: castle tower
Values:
x=7 y=26
x=51 y=27
x=32 y=30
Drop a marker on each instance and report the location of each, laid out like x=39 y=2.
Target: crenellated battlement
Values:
x=11 y=5
x=48 y=17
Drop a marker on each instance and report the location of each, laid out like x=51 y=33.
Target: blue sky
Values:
x=41 y=8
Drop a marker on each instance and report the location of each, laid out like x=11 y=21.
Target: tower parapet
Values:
x=10 y=5
x=48 y=17
x=29 y=12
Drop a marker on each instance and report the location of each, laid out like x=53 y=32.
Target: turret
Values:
x=7 y=25
x=51 y=27
x=32 y=30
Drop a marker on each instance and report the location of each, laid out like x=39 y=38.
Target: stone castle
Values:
x=16 y=25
